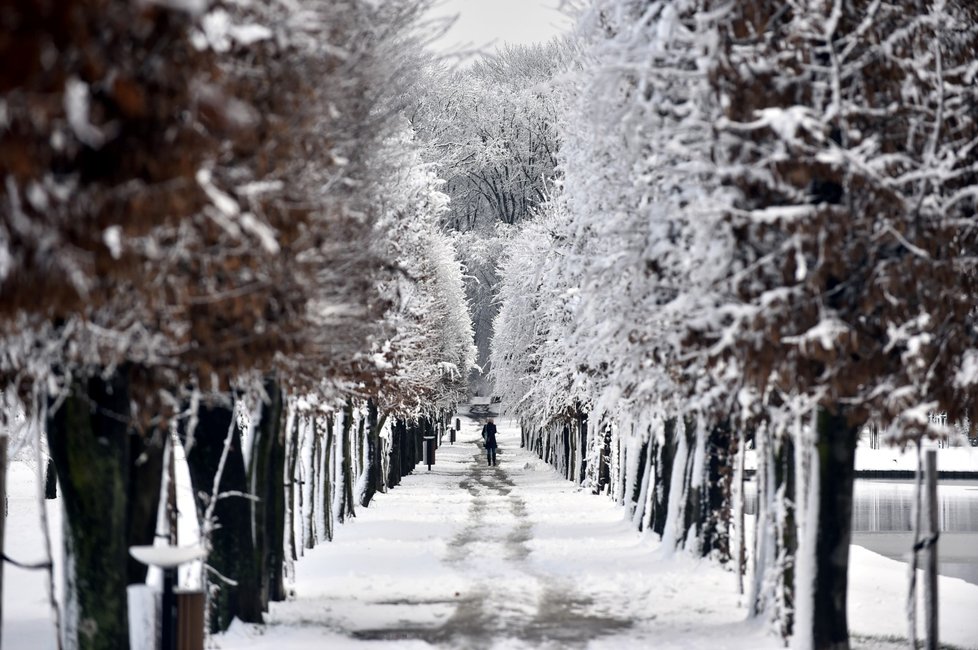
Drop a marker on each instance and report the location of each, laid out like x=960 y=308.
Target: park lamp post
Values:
x=168 y=558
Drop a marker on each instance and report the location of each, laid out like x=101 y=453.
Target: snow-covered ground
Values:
x=512 y=556
x=27 y=618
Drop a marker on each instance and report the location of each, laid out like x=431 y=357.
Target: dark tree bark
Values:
x=325 y=484
x=836 y=447
x=604 y=466
x=319 y=478
x=89 y=440
x=784 y=479
x=275 y=520
x=308 y=477
x=582 y=422
x=715 y=535
x=374 y=463
x=372 y=460
x=50 y=481
x=566 y=449
x=267 y=477
x=347 y=508
x=663 y=478
x=394 y=468
x=635 y=498
x=232 y=547
x=290 y=491
x=693 y=507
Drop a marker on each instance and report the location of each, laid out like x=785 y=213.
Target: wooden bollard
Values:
x=190 y=620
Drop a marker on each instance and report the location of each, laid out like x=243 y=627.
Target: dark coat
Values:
x=489 y=435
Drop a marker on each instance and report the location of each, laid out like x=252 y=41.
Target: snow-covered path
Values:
x=468 y=556
x=512 y=556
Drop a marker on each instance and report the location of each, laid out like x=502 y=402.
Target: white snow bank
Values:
x=878 y=594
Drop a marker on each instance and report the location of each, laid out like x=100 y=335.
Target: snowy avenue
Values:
x=584 y=324
x=513 y=556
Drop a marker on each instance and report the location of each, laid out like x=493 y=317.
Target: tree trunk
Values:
x=308 y=482
x=836 y=444
x=232 y=547
x=394 y=468
x=145 y=482
x=347 y=478
x=275 y=519
x=663 y=477
x=636 y=506
x=50 y=481
x=267 y=478
x=290 y=492
x=692 y=508
x=604 y=465
x=715 y=536
x=326 y=481
x=582 y=422
x=319 y=479
x=89 y=440
x=374 y=467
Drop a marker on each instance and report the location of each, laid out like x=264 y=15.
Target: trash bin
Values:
x=451 y=436
x=429 y=451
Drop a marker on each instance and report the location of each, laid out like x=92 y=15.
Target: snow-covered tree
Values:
x=769 y=205
x=850 y=287
x=189 y=204
x=492 y=132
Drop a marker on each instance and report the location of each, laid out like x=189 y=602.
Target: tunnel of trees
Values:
x=283 y=241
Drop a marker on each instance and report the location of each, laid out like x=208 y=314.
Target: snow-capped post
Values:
x=930 y=546
x=168 y=558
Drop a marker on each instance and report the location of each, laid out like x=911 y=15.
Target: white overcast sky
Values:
x=491 y=23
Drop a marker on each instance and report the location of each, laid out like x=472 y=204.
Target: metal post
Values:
x=171 y=492
x=3 y=513
x=168 y=632
x=930 y=568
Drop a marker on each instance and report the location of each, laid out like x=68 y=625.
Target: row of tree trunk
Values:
x=683 y=479
x=266 y=487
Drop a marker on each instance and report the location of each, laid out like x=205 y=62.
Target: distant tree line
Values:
x=492 y=127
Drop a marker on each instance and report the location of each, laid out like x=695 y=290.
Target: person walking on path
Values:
x=489 y=436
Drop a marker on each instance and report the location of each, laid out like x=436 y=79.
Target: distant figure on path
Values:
x=489 y=436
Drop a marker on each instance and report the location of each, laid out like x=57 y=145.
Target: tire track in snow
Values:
x=512 y=602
